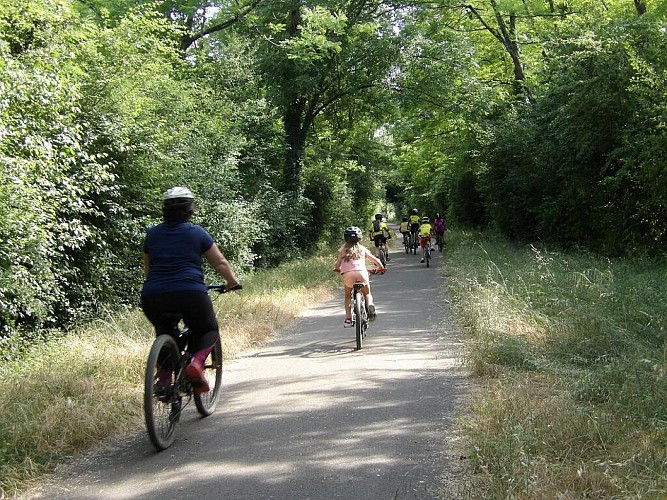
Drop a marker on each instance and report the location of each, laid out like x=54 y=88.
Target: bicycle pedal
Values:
x=162 y=394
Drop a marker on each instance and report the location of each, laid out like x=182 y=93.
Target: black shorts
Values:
x=380 y=239
x=414 y=228
x=197 y=311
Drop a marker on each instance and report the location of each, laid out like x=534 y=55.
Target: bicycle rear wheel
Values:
x=206 y=401
x=162 y=402
x=359 y=314
x=428 y=254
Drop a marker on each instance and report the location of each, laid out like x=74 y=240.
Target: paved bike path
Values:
x=309 y=417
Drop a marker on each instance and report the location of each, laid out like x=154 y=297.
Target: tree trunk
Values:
x=295 y=146
x=508 y=39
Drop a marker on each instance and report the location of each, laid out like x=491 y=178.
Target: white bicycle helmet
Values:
x=178 y=193
x=352 y=234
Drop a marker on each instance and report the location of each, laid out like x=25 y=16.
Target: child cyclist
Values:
x=351 y=264
x=405 y=228
x=414 y=221
x=378 y=232
x=425 y=232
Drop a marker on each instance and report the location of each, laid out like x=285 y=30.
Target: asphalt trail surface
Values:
x=309 y=417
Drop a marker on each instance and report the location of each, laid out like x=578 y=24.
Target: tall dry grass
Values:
x=570 y=351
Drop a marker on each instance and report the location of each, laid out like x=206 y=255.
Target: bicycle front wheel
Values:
x=359 y=312
x=162 y=402
x=206 y=401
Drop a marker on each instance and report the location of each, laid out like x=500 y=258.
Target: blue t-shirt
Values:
x=175 y=252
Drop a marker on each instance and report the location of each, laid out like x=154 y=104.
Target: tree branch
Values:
x=188 y=40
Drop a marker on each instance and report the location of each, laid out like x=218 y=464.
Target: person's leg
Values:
x=415 y=234
x=348 y=302
x=370 y=304
x=368 y=296
x=154 y=306
x=204 y=325
x=349 y=279
x=201 y=319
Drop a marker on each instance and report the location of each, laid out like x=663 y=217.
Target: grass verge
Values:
x=570 y=350
x=72 y=393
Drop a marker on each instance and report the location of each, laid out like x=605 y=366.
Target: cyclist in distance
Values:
x=414 y=222
x=379 y=233
x=440 y=228
x=425 y=232
x=405 y=228
x=351 y=264
x=174 y=275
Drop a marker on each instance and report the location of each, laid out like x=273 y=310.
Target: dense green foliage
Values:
x=551 y=123
x=292 y=119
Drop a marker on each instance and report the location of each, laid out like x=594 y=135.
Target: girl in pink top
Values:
x=351 y=264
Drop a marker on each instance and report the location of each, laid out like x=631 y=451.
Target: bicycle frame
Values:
x=359 y=315
x=427 y=253
x=439 y=240
x=166 y=384
x=358 y=308
x=414 y=241
x=382 y=253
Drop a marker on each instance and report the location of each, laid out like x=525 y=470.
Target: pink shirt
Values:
x=353 y=264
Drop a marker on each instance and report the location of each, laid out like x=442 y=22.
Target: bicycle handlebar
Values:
x=372 y=270
x=223 y=288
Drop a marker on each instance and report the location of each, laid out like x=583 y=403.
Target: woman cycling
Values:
x=175 y=279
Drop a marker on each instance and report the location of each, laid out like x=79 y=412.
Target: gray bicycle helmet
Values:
x=415 y=211
x=352 y=234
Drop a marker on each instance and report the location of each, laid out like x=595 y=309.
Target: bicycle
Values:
x=406 y=242
x=166 y=385
x=382 y=253
x=414 y=242
x=427 y=253
x=439 y=240
x=359 y=311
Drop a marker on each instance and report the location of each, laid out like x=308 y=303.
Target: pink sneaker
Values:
x=195 y=373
